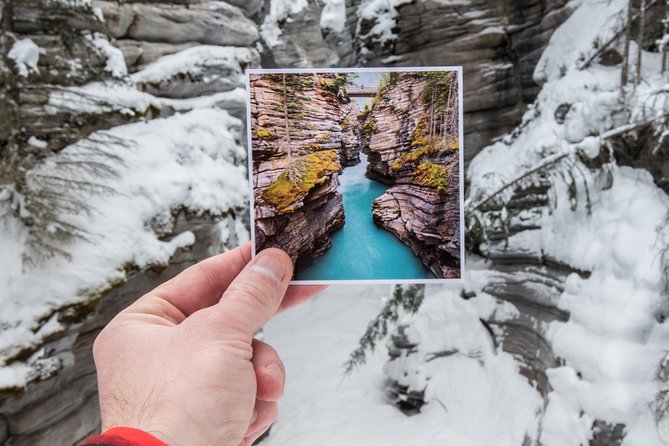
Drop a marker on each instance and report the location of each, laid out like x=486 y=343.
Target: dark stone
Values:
x=561 y=112
x=607 y=434
x=610 y=57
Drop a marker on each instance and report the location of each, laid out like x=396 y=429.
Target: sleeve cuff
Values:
x=124 y=436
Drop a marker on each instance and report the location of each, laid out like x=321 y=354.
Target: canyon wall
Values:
x=497 y=43
x=412 y=139
x=94 y=66
x=303 y=133
x=164 y=58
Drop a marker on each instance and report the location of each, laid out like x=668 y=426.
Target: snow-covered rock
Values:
x=25 y=55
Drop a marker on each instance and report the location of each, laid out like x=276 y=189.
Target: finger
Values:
x=254 y=296
x=299 y=294
x=201 y=285
x=250 y=440
x=264 y=414
x=270 y=371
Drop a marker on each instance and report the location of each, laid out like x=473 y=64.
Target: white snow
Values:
x=38 y=143
x=384 y=14
x=612 y=343
x=333 y=16
x=192 y=160
x=477 y=396
x=100 y=97
x=115 y=60
x=593 y=23
x=25 y=54
x=279 y=11
x=194 y=61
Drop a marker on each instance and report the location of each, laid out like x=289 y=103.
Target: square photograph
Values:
x=357 y=173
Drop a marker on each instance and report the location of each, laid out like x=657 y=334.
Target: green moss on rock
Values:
x=432 y=175
x=264 y=134
x=312 y=170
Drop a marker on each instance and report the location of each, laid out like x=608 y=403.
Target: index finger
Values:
x=202 y=285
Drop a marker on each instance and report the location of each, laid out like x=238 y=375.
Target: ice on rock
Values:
x=25 y=54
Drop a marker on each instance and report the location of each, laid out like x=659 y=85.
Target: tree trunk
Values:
x=666 y=32
x=289 y=167
x=642 y=25
x=626 y=52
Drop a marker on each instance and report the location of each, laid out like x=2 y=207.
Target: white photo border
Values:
x=249 y=143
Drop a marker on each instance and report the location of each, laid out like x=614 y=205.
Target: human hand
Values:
x=181 y=363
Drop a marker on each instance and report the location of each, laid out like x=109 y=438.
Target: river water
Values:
x=361 y=250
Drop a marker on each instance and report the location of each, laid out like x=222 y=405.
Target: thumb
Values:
x=254 y=296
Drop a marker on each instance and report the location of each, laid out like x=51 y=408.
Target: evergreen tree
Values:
x=406 y=298
x=291 y=88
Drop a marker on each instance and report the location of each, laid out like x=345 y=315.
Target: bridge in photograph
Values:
x=362 y=92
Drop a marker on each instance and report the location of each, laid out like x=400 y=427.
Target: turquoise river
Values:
x=361 y=250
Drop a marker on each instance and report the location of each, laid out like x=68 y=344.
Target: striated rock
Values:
x=61 y=116
x=294 y=37
x=63 y=408
x=390 y=127
x=299 y=214
x=425 y=220
x=138 y=54
x=413 y=149
x=197 y=71
x=497 y=43
x=208 y=22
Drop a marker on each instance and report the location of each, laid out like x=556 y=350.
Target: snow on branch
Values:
x=405 y=298
x=588 y=147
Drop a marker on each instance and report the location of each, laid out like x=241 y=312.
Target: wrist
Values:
x=126 y=436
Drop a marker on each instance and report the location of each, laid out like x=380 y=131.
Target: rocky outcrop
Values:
x=303 y=133
x=411 y=137
x=80 y=85
x=427 y=221
x=497 y=43
x=60 y=405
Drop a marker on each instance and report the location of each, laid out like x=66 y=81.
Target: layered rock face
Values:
x=497 y=43
x=92 y=66
x=80 y=43
x=303 y=133
x=413 y=144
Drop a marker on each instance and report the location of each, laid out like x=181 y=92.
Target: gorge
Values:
x=159 y=83
x=305 y=127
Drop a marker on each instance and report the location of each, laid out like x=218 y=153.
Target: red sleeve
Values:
x=124 y=436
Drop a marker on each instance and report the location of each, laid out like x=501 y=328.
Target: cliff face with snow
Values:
x=574 y=232
x=122 y=162
x=312 y=133
x=153 y=90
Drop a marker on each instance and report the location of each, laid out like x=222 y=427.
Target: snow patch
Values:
x=197 y=60
x=333 y=16
x=280 y=11
x=192 y=160
x=384 y=15
x=25 y=54
x=593 y=23
x=100 y=97
x=115 y=60
x=37 y=143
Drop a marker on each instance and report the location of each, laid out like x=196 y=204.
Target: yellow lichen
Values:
x=432 y=175
x=322 y=138
x=313 y=169
x=264 y=134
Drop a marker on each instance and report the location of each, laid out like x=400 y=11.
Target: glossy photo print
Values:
x=357 y=174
